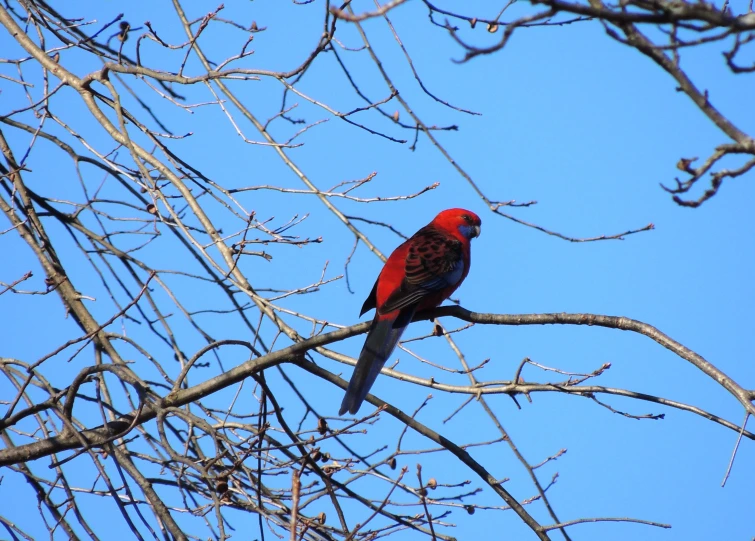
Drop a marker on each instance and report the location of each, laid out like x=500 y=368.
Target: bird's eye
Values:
x=467 y=219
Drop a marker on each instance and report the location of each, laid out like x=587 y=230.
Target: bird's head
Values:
x=466 y=222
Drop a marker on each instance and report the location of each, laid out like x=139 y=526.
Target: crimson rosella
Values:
x=420 y=274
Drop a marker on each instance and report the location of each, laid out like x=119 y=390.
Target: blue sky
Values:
x=583 y=125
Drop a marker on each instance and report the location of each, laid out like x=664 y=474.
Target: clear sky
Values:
x=583 y=125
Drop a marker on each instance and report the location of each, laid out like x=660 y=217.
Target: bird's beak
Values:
x=476 y=231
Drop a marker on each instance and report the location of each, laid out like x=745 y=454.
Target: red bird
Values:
x=420 y=274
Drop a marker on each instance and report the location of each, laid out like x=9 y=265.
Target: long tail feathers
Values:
x=381 y=341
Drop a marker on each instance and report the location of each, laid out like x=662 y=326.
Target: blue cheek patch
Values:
x=469 y=231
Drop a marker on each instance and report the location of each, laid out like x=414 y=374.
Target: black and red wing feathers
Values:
x=433 y=263
x=371 y=301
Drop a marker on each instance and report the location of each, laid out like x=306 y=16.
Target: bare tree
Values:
x=181 y=447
